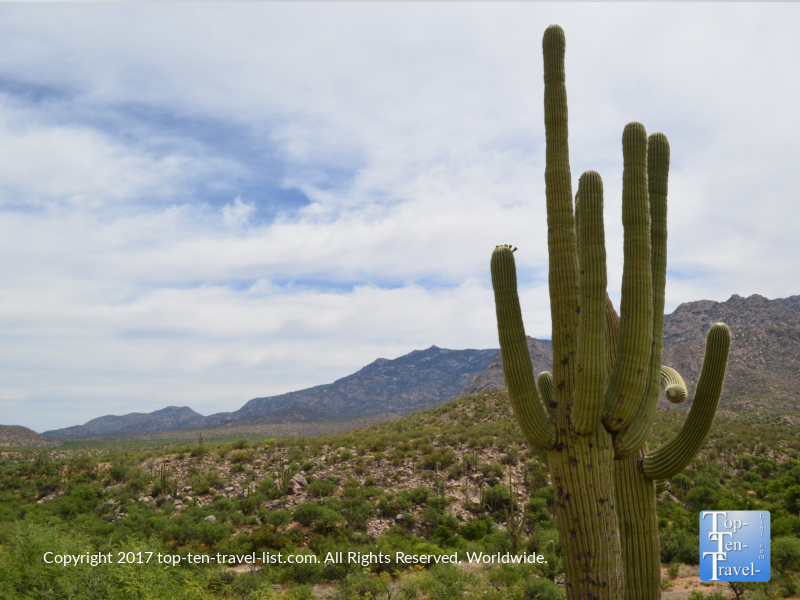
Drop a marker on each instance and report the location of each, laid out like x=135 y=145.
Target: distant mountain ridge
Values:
x=764 y=363
x=412 y=382
x=763 y=374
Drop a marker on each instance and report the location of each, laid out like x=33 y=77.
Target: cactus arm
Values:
x=635 y=435
x=629 y=377
x=563 y=275
x=673 y=384
x=528 y=410
x=612 y=333
x=591 y=369
x=671 y=458
x=546 y=391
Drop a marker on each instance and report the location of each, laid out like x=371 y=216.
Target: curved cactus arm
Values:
x=612 y=333
x=673 y=384
x=546 y=391
x=530 y=414
x=671 y=458
x=547 y=395
x=591 y=369
x=636 y=433
x=629 y=377
x=563 y=275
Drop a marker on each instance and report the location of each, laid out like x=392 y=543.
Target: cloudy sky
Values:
x=205 y=203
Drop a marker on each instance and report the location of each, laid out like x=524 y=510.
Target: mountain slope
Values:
x=402 y=385
x=493 y=378
x=763 y=368
x=17 y=435
x=764 y=364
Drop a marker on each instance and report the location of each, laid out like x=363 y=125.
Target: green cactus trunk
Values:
x=636 y=509
x=600 y=403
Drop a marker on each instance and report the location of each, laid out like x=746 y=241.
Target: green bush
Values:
x=680 y=545
x=319 y=488
x=306 y=512
x=543 y=589
x=306 y=572
x=785 y=554
x=497 y=499
x=476 y=529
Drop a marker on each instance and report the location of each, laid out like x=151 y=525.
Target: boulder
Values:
x=297 y=484
x=210 y=518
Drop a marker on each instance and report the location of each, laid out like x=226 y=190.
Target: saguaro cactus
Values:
x=602 y=395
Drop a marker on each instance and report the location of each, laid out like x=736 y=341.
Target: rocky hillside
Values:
x=764 y=365
x=493 y=379
x=16 y=435
x=402 y=385
x=412 y=382
x=763 y=368
x=172 y=417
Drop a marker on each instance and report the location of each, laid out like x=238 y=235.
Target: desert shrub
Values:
x=305 y=572
x=497 y=498
x=785 y=526
x=493 y=470
x=785 y=554
x=118 y=472
x=200 y=485
x=476 y=529
x=327 y=521
x=470 y=461
x=417 y=495
x=240 y=456
x=543 y=589
x=456 y=471
x=791 y=500
x=702 y=498
x=680 y=545
x=306 y=512
x=319 y=488
x=276 y=518
x=536 y=511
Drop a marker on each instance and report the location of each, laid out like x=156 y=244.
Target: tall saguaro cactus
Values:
x=607 y=373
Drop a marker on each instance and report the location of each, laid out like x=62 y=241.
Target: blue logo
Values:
x=734 y=545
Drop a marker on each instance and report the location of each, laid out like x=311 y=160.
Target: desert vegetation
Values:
x=459 y=479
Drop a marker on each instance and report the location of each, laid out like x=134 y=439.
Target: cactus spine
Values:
x=600 y=401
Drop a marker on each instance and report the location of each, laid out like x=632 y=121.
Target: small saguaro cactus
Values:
x=600 y=401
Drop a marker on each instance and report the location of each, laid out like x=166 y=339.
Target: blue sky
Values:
x=205 y=203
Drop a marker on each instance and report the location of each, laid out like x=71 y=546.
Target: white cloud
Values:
x=237 y=214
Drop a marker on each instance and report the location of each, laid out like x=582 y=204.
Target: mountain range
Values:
x=412 y=382
x=763 y=374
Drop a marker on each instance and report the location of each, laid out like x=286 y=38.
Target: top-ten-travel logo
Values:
x=734 y=545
